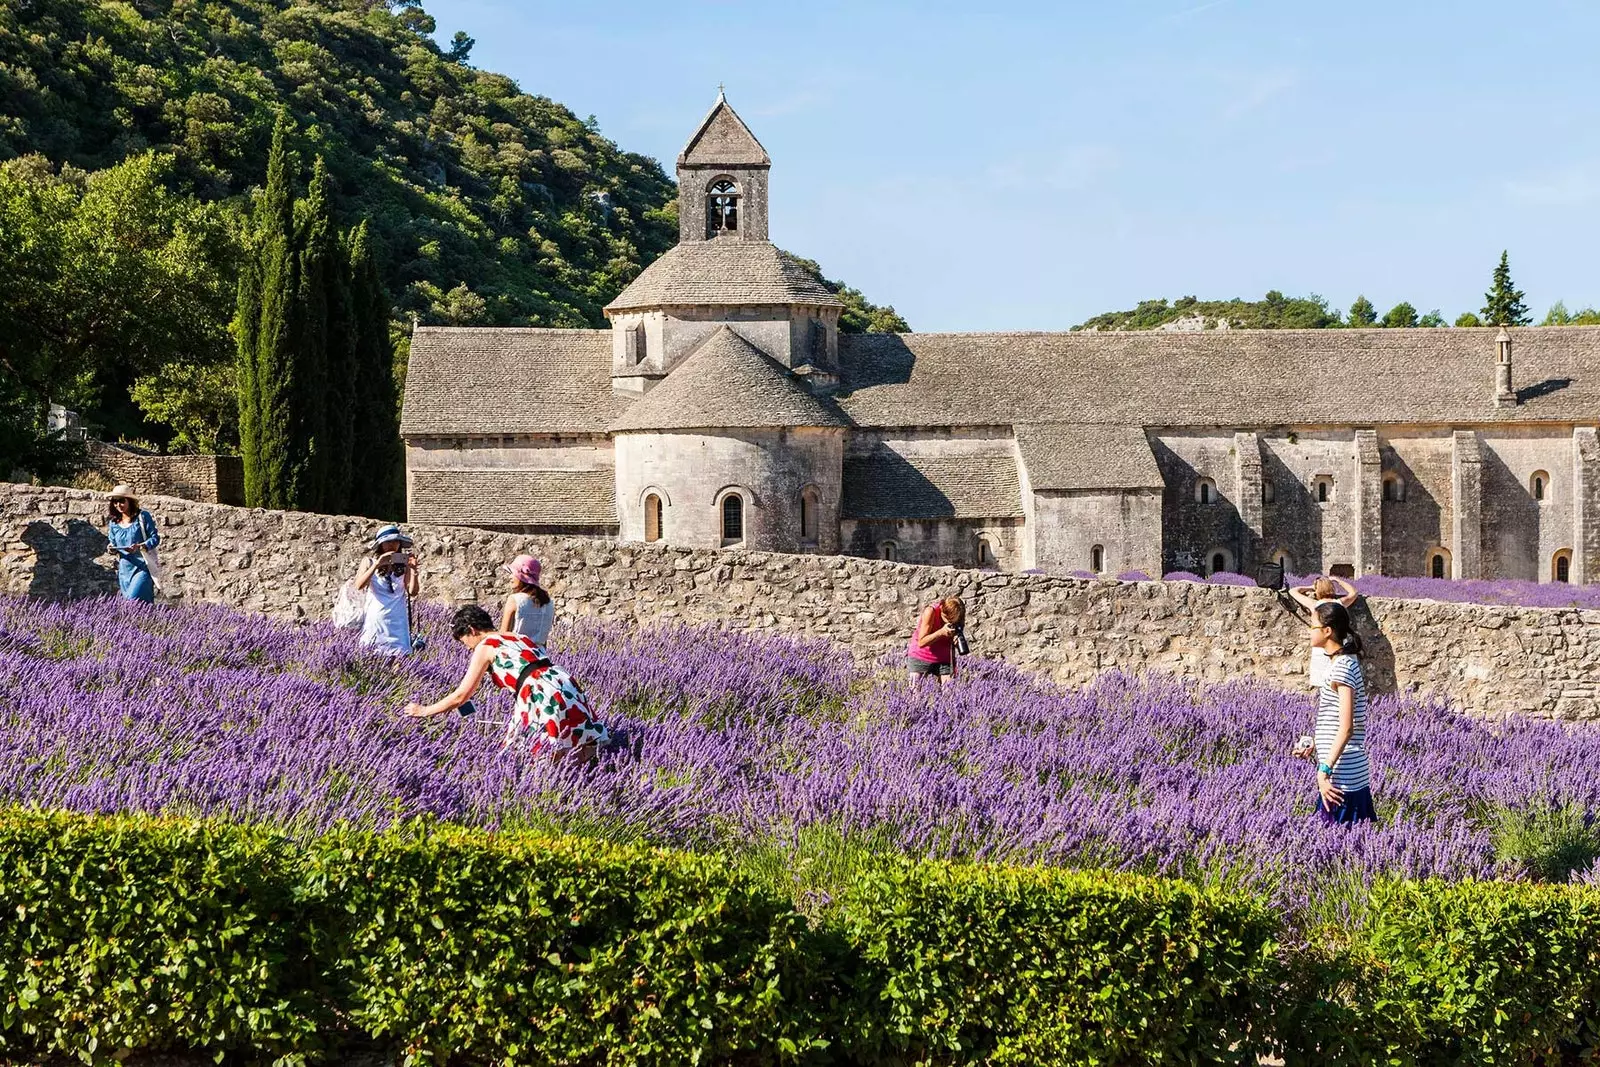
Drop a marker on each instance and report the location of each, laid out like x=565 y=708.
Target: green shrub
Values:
x=1489 y=972
x=1020 y=965
x=544 y=950
x=138 y=933
x=133 y=934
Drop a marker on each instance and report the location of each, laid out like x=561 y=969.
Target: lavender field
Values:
x=778 y=752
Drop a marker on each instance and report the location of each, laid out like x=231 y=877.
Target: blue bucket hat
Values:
x=390 y=533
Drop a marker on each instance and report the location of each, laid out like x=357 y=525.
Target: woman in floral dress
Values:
x=552 y=713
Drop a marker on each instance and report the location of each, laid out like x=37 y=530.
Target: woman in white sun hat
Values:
x=132 y=537
x=390 y=580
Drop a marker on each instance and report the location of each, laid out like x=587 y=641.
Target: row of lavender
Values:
x=733 y=742
x=1508 y=592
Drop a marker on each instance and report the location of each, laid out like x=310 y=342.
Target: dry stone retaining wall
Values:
x=1491 y=660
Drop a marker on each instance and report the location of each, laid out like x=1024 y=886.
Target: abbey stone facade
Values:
x=724 y=408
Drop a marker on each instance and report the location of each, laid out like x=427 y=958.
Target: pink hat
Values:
x=525 y=569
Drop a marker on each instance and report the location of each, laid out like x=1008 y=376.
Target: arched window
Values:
x=1561 y=566
x=722 y=208
x=1539 y=485
x=1394 y=487
x=1097 y=559
x=732 y=518
x=888 y=550
x=1269 y=491
x=1438 y=563
x=1220 y=560
x=652 y=518
x=1322 y=488
x=1205 y=491
x=1281 y=558
x=808 y=515
x=984 y=552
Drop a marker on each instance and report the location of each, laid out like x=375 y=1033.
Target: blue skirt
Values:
x=1357 y=807
x=133 y=580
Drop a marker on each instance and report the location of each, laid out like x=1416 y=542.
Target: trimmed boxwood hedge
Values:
x=129 y=933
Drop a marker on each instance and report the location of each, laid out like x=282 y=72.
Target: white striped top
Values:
x=1351 y=772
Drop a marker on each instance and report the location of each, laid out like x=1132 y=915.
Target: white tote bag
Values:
x=349 y=607
x=152 y=563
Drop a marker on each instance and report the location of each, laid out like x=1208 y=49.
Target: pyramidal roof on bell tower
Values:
x=723 y=140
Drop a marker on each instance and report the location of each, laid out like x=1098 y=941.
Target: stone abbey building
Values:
x=724 y=408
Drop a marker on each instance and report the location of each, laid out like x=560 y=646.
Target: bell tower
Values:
x=722 y=180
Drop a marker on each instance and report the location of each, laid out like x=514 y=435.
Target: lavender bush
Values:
x=774 y=748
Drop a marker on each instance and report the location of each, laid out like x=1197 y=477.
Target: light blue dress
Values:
x=133 y=574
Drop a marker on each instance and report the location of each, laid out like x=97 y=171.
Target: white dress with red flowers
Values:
x=552 y=713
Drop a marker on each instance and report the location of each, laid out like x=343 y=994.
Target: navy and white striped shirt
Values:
x=1351 y=771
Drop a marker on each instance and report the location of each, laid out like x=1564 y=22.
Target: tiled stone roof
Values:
x=723 y=140
x=727 y=382
x=723 y=271
x=1085 y=456
x=514 y=498
x=1217 y=378
x=471 y=380
x=887 y=485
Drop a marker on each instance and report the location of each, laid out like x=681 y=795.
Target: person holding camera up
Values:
x=939 y=636
x=390 y=580
x=1322 y=591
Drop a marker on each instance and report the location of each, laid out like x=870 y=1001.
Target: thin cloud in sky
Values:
x=1191 y=11
x=1258 y=90
x=1570 y=186
x=1074 y=167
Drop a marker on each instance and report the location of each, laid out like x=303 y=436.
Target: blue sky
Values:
x=1029 y=165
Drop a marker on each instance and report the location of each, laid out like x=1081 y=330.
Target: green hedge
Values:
x=1030 y=965
x=136 y=934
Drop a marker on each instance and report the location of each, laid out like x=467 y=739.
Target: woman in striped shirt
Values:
x=1344 y=785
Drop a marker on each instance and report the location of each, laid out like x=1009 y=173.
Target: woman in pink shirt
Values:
x=931 y=653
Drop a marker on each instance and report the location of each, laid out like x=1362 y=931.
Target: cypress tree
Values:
x=308 y=481
x=338 y=444
x=380 y=459
x=273 y=375
x=1503 y=304
x=246 y=327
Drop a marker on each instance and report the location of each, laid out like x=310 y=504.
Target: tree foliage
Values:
x=1558 y=315
x=1273 y=311
x=860 y=315
x=1400 y=316
x=109 y=277
x=484 y=204
x=1362 y=313
x=1502 y=304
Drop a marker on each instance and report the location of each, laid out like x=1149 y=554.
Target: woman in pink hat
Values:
x=528 y=610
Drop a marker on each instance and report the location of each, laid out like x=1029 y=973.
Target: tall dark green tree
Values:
x=339 y=417
x=1502 y=304
x=316 y=252
x=1362 y=313
x=266 y=373
x=377 y=485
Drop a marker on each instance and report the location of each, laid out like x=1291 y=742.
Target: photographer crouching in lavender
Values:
x=390 y=581
x=939 y=637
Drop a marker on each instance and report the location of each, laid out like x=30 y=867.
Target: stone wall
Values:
x=212 y=479
x=1493 y=661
